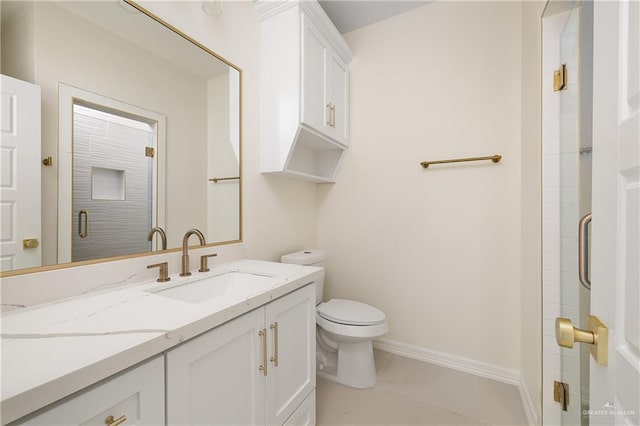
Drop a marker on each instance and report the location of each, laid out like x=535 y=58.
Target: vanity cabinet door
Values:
x=291 y=326
x=305 y=414
x=214 y=379
x=135 y=397
x=217 y=379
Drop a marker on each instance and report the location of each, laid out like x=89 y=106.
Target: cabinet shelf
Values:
x=313 y=158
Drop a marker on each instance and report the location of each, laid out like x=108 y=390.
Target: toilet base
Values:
x=356 y=366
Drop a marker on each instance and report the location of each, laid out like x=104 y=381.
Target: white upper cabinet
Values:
x=304 y=124
x=325 y=82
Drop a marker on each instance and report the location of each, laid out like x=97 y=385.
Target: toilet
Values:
x=345 y=330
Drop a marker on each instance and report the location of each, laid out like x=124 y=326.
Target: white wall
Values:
x=531 y=193
x=438 y=250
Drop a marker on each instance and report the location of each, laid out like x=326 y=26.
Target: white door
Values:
x=214 y=379
x=291 y=325
x=615 y=288
x=20 y=175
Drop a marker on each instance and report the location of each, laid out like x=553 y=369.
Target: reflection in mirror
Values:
x=142 y=125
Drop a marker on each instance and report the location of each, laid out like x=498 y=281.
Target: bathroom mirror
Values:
x=139 y=127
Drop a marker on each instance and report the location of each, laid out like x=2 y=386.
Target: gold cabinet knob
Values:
x=597 y=336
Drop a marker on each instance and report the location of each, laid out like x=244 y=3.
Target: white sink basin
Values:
x=232 y=284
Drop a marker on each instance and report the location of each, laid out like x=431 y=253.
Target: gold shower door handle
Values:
x=84 y=234
x=583 y=251
x=597 y=336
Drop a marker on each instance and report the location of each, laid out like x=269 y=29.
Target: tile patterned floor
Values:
x=410 y=392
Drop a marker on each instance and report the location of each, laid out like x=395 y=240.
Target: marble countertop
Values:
x=53 y=350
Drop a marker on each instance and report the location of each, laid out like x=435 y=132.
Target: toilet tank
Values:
x=312 y=257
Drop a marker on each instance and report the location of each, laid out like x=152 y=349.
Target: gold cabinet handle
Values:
x=333 y=116
x=263 y=367
x=110 y=421
x=597 y=336
x=329 y=114
x=274 y=358
x=84 y=234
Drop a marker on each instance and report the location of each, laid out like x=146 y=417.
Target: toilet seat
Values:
x=350 y=312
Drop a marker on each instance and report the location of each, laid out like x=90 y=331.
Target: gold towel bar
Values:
x=494 y=158
x=215 y=180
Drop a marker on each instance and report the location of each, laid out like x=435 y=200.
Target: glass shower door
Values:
x=566 y=199
x=112 y=184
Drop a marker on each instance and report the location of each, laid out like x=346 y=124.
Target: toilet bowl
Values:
x=345 y=330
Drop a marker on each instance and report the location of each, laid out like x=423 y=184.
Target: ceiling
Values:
x=349 y=15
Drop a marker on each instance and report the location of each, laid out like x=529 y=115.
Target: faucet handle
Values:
x=164 y=271
x=203 y=262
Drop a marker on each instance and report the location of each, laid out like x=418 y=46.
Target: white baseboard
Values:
x=527 y=403
x=466 y=365
x=501 y=374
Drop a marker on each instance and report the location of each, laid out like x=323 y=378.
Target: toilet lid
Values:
x=350 y=312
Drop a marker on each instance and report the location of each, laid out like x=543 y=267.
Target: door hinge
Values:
x=560 y=78
x=149 y=151
x=561 y=394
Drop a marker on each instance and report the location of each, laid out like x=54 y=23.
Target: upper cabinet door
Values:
x=338 y=97
x=315 y=110
x=325 y=84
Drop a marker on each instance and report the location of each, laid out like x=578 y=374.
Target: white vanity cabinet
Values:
x=134 y=397
x=304 y=110
x=255 y=369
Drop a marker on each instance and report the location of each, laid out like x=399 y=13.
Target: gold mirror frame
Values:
x=11 y=273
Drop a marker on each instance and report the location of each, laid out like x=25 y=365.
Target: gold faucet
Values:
x=163 y=236
x=185 y=248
